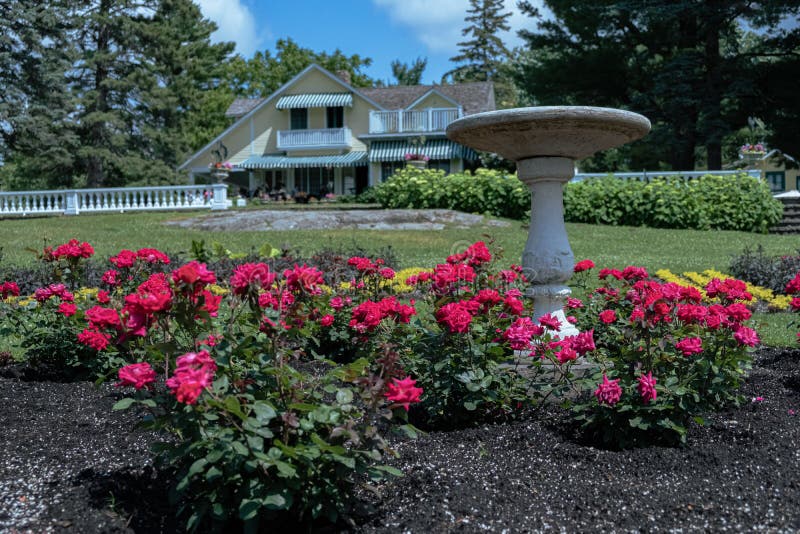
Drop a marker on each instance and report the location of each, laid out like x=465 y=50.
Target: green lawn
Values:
x=677 y=250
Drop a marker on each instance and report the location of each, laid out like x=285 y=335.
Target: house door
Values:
x=362 y=179
x=776 y=181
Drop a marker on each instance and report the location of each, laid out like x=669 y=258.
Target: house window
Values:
x=335 y=117
x=440 y=164
x=314 y=181
x=776 y=181
x=388 y=168
x=299 y=118
x=273 y=180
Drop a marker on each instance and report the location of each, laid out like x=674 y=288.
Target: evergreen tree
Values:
x=406 y=74
x=685 y=64
x=182 y=101
x=106 y=92
x=483 y=53
x=37 y=134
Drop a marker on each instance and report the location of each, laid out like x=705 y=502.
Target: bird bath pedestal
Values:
x=545 y=142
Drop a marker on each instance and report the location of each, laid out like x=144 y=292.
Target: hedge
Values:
x=738 y=202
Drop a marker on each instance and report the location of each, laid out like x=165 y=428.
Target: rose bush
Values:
x=663 y=357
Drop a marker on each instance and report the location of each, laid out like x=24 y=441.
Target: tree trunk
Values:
x=714 y=127
x=96 y=175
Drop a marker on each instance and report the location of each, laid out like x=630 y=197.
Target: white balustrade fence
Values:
x=412 y=121
x=323 y=137
x=119 y=199
x=648 y=175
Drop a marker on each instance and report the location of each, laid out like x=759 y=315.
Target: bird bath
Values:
x=545 y=142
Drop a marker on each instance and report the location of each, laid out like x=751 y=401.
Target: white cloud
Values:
x=438 y=24
x=236 y=23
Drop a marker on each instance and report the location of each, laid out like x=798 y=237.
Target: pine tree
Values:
x=37 y=135
x=685 y=64
x=182 y=101
x=483 y=52
x=406 y=74
x=106 y=92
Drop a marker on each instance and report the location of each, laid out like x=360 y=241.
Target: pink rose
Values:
x=608 y=391
x=608 y=316
x=137 y=375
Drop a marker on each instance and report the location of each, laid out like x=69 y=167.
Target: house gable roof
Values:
x=255 y=106
x=433 y=92
x=474 y=97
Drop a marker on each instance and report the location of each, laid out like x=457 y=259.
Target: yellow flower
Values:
x=86 y=293
x=217 y=290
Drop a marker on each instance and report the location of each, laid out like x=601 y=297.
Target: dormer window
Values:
x=298 y=119
x=335 y=117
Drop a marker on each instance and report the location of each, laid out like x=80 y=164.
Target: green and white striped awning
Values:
x=351 y=159
x=315 y=100
x=433 y=148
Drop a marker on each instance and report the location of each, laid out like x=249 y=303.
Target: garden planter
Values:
x=545 y=142
x=417 y=163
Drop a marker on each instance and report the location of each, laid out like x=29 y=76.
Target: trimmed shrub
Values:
x=486 y=191
x=710 y=202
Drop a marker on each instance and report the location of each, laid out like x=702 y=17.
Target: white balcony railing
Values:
x=120 y=199
x=412 y=121
x=321 y=138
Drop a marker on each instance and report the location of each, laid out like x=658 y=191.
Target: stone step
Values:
x=785 y=230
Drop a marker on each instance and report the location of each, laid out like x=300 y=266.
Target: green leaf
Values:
x=389 y=469
x=344 y=396
x=197 y=466
x=255 y=442
x=213 y=473
x=275 y=501
x=123 y=404
x=233 y=406
x=248 y=509
x=239 y=448
x=470 y=406
x=264 y=412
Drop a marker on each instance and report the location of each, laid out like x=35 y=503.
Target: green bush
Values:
x=486 y=191
x=710 y=202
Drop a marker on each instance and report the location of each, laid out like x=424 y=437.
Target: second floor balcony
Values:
x=327 y=138
x=412 y=121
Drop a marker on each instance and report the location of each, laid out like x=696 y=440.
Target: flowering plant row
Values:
x=761 y=295
x=280 y=387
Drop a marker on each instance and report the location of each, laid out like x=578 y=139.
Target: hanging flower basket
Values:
x=752 y=153
x=418 y=161
x=220 y=170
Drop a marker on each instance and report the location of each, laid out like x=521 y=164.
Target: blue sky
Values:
x=383 y=30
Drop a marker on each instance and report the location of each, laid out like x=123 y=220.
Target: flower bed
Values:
x=282 y=389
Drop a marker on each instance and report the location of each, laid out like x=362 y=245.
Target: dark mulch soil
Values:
x=71 y=464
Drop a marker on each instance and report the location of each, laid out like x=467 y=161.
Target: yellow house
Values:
x=774 y=170
x=318 y=134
